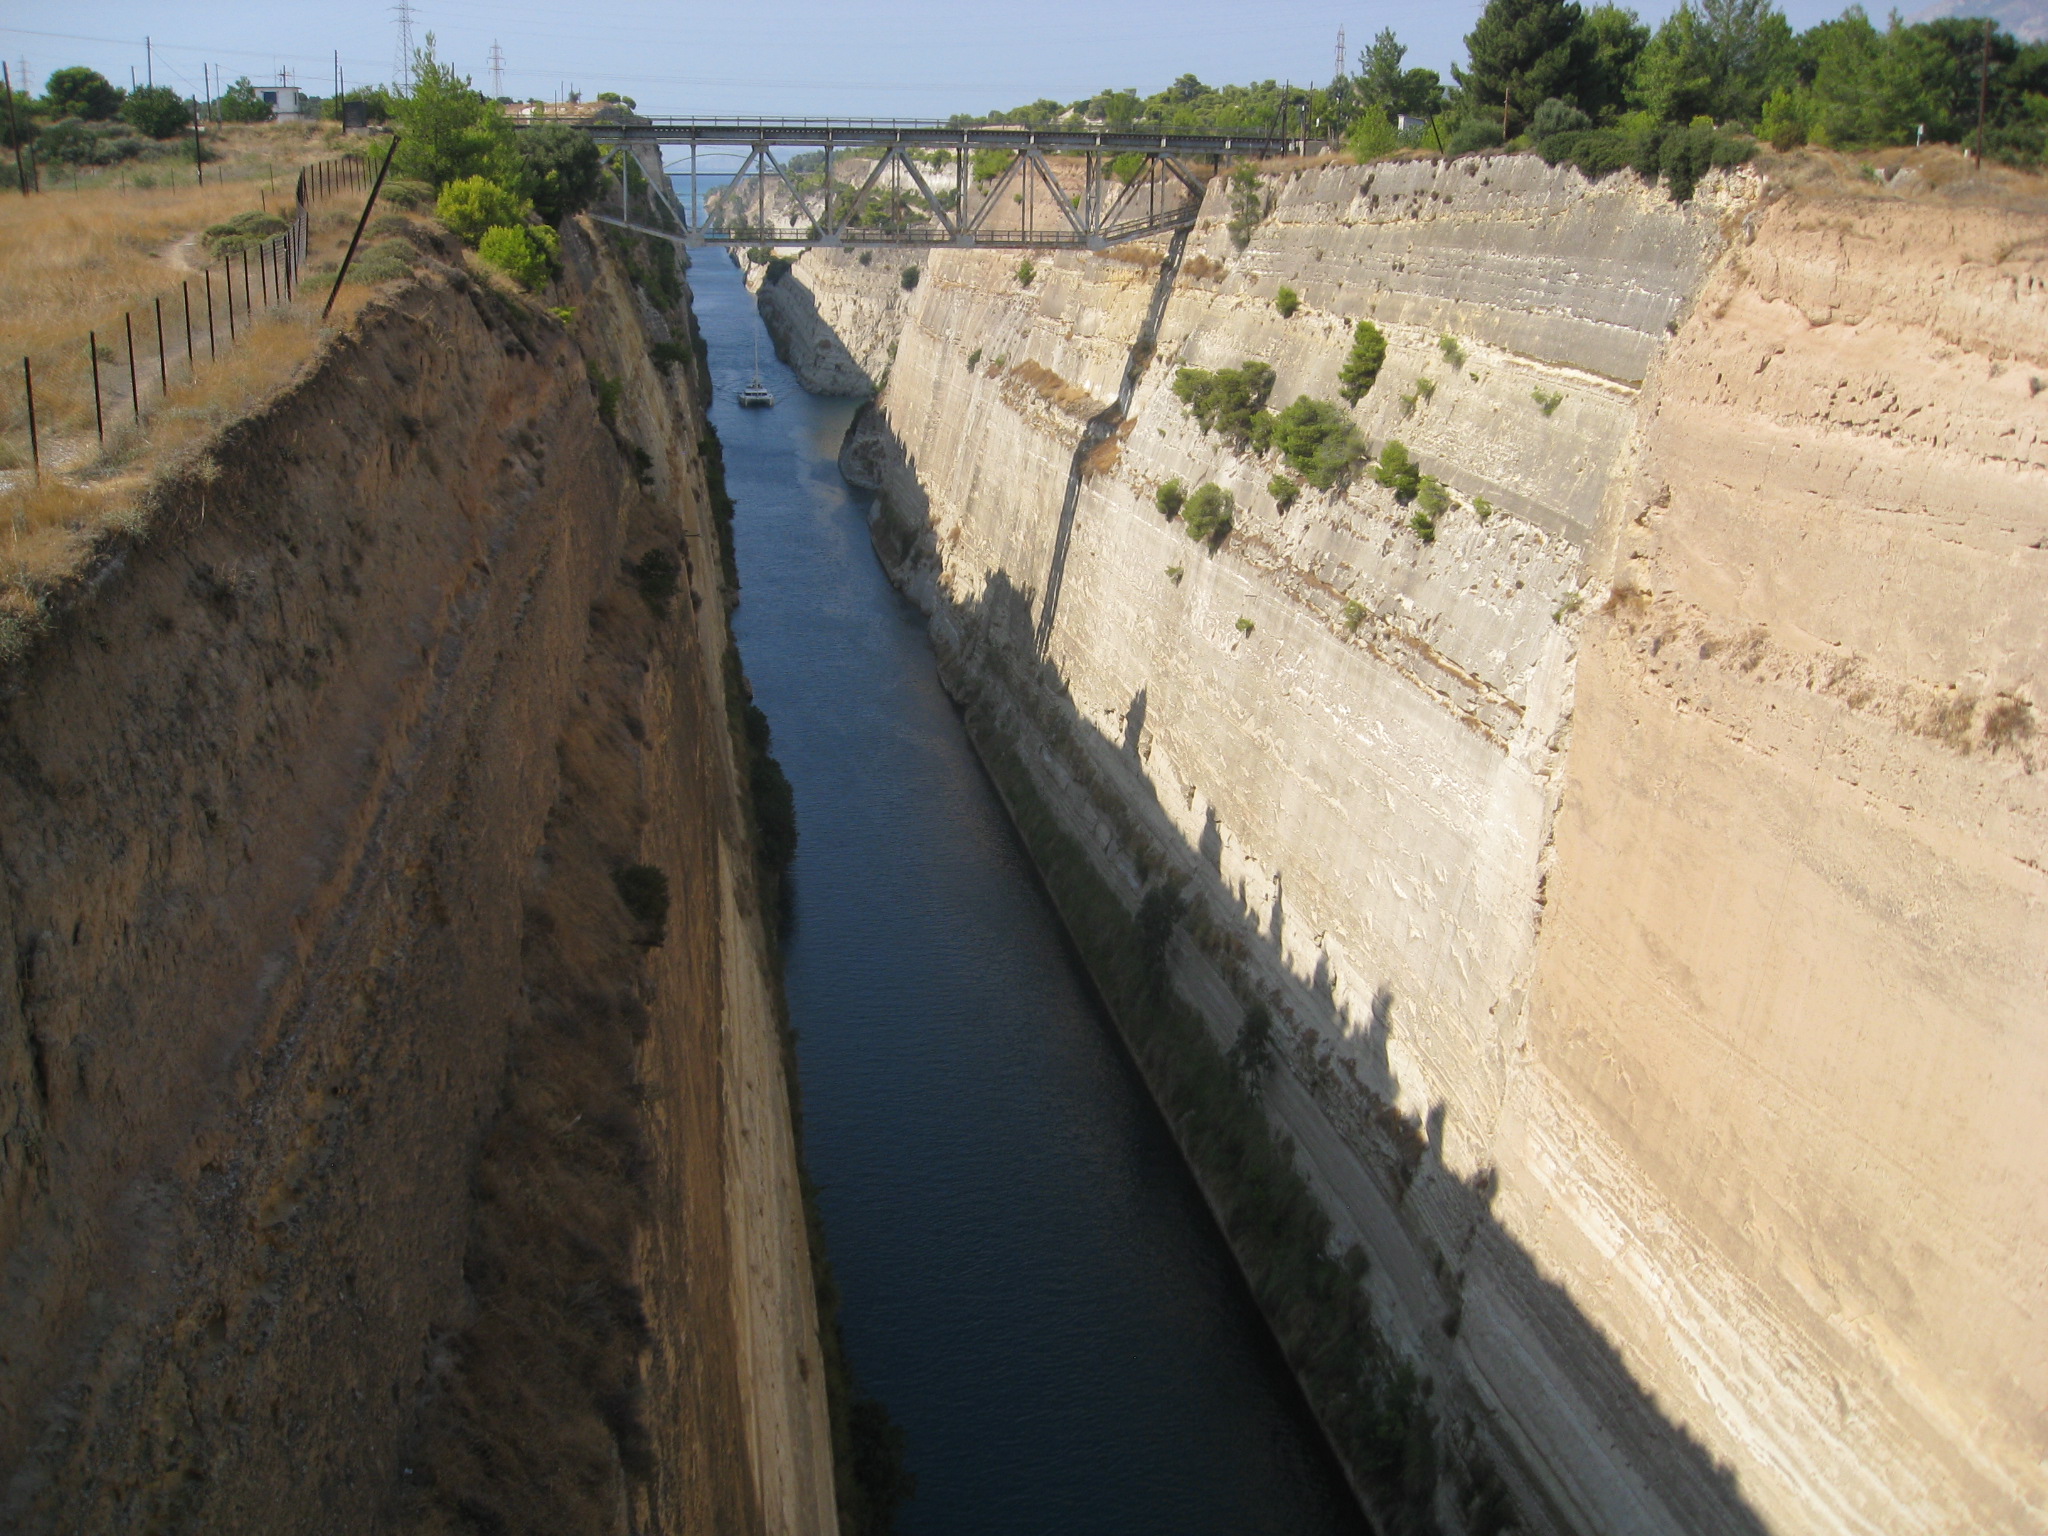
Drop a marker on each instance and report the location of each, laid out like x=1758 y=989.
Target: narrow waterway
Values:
x=1031 y=1283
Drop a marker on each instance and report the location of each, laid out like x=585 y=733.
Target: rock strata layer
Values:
x=1644 y=861
x=367 y=1159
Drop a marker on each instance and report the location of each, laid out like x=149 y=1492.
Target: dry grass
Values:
x=1054 y=390
x=74 y=261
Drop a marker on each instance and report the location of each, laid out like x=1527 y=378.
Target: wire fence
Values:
x=65 y=404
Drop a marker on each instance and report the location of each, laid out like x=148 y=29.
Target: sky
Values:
x=898 y=58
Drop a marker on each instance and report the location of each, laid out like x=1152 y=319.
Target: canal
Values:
x=1031 y=1282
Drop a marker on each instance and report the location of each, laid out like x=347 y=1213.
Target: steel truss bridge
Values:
x=885 y=181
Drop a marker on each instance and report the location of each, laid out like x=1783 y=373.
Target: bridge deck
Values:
x=806 y=132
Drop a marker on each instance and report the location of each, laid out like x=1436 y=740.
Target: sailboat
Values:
x=755 y=396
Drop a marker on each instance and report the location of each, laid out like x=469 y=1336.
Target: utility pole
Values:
x=149 y=60
x=14 y=129
x=497 y=70
x=1983 y=93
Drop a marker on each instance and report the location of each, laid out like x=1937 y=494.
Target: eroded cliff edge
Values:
x=366 y=1161
x=1646 y=873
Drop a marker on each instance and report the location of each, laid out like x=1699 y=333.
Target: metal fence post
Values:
x=185 y=287
x=99 y=415
x=228 y=271
x=134 y=389
x=35 y=451
x=368 y=203
x=212 y=352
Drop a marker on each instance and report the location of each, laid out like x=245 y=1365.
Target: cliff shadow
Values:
x=1408 y=1424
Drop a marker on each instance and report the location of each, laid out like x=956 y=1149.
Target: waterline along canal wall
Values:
x=1642 y=864
x=393 y=1124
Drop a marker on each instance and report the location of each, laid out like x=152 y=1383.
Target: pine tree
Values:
x=1523 y=52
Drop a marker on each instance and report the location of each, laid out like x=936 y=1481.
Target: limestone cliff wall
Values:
x=364 y=1162
x=1516 y=1036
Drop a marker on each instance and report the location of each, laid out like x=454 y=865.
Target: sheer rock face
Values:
x=361 y=1166
x=1648 y=873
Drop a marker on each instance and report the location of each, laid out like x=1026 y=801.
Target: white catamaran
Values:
x=756 y=395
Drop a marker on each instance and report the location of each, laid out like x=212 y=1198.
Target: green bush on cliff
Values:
x=1286 y=301
x=1398 y=472
x=1319 y=442
x=476 y=205
x=525 y=254
x=1207 y=514
x=1228 y=400
x=1170 y=497
x=1362 y=367
x=1283 y=491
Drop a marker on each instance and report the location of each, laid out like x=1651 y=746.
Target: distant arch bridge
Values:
x=888 y=181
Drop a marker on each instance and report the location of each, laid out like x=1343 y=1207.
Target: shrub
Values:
x=644 y=891
x=1354 y=614
x=908 y=277
x=475 y=205
x=244 y=231
x=384 y=262
x=1246 y=203
x=1424 y=525
x=1251 y=1054
x=1432 y=497
x=1174 y=574
x=778 y=268
x=609 y=392
x=656 y=576
x=1482 y=508
x=1318 y=441
x=1784 y=122
x=1453 y=353
x=558 y=170
x=1473 y=135
x=1548 y=399
x=1169 y=498
x=1422 y=389
x=1229 y=400
x=667 y=354
x=1283 y=491
x=526 y=254
x=157 y=111
x=1397 y=471
x=1362 y=367
x=1026 y=272
x=1555 y=117
x=1372 y=136
x=974 y=358
x=403 y=192
x=73 y=142
x=1207 y=514
x=1244 y=625
x=1286 y=301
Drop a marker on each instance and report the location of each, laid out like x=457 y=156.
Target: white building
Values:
x=286 y=102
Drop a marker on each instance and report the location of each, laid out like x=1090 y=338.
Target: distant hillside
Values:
x=2026 y=20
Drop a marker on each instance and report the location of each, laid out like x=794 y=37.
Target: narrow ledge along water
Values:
x=1031 y=1282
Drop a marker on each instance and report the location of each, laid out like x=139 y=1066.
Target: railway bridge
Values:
x=898 y=182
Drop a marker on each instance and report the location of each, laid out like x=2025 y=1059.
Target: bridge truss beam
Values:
x=1113 y=187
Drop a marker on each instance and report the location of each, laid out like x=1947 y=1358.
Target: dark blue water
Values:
x=1031 y=1282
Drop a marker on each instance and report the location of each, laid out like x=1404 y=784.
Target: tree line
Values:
x=1534 y=69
